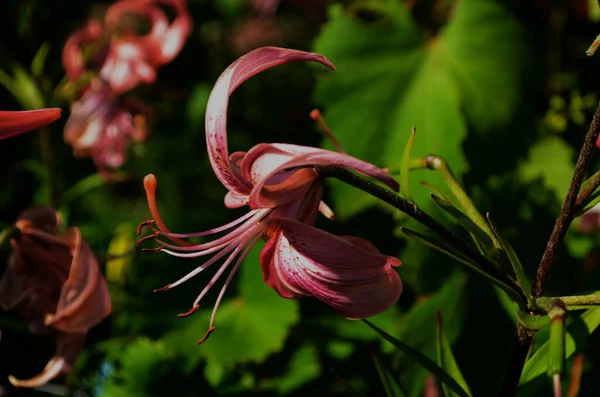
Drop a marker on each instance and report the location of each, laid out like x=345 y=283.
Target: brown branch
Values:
x=567 y=212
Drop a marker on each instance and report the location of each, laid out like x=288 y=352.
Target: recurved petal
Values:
x=72 y=55
x=348 y=274
x=216 y=112
x=68 y=348
x=263 y=171
x=16 y=122
x=84 y=300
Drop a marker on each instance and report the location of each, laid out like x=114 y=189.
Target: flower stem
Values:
x=567 y=212
x=580 y=300
x=413 y=210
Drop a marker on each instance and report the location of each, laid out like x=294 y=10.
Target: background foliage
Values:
x=502 y=90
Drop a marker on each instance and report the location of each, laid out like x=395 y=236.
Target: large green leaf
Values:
x=390 y=77
x=552 y=161
x=577 y=332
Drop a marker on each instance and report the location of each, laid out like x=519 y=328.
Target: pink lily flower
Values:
x=16 y=122
x=130 y=58
x=278 y=182
x=103 y=127
x=54 y=282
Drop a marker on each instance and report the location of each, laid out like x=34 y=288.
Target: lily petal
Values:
x=68 y=348
x=216 y=112
x=13 y=123
x=84 y=299
x=348 y=274
x=262 y=171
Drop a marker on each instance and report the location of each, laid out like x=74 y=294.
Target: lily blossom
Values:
x=16 y=122
x=282 y=188
x=129 y=57
x=103 y=127
x=54 y=282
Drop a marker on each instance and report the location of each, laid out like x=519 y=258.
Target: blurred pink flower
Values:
x=53 y=281
x=128 y=56
x=16 y=122
x=102 y=126
x=283 y=190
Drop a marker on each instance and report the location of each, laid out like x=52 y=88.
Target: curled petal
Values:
x=72 y=55
x=348 y=274
x=216 y=112
x=172 y=41
x=84 y=300
x=13 y=123
x=266 y=162
x=68 y=348
x=129 y=63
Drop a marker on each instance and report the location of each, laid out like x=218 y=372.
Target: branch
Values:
x=567 y=212
x=587 y=191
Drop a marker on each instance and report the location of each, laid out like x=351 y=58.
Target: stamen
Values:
x=210 y=331
x=150 y=187
x=218 y=274
x=190 y=312
x=217 y=229
x=316 y=115
x=252 y=222
x=231 y=274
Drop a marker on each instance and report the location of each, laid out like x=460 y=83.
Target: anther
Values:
x=157 y=249
x=144 y=224
x=166 y=287
x=146 y=238
x=190 y=312
x=210 y=331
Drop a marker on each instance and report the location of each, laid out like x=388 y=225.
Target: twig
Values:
x=587 y=191
x=568 y=209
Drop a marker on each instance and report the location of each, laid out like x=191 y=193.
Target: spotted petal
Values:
x=347 y=273
x=216 y=113
x=265 y=162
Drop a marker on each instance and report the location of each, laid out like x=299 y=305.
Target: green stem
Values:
x=437 y=163
x=48 y=160
x=580 y=300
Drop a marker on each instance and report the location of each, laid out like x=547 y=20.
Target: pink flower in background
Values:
x=103 y=126
x=53 y=281
x=16 y=122
x=124 y=56
x=278 y=182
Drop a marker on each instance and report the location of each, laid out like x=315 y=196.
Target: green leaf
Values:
x=423 y=360
x=532 y=322
x=535 y=369
x=550 y=160
x=514 y=261
x=441 y=246
x=390 y=76
x=39 y=60
x=418 y=327
x=388 y=382
x=446 y=360
x=405 y=166
x=241 y=333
